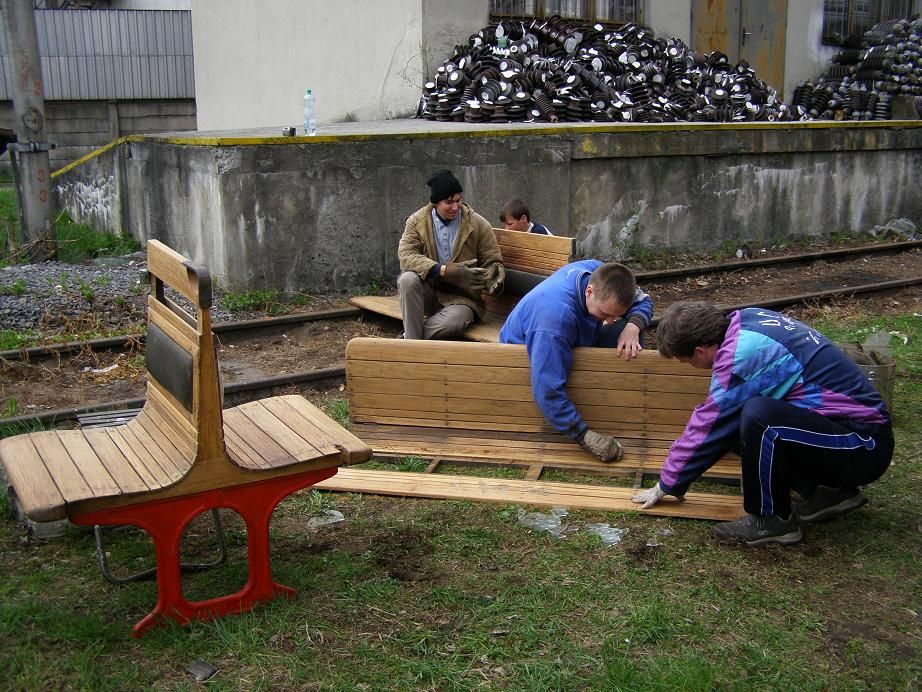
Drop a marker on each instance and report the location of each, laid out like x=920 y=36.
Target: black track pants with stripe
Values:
x=786 y=448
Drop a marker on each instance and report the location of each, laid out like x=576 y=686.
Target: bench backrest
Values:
x=183 y=391
x=533 y=253
x=482 y=386
x=528 y=257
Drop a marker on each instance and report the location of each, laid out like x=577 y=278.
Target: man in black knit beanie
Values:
x=448 y=257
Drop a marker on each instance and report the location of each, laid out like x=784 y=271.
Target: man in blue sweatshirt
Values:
x=800 y=413
x=585 y=303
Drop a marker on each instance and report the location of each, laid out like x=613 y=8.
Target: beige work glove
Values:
x=463 y=275
x=495 y=278
x=605 y=447
x=649 y=497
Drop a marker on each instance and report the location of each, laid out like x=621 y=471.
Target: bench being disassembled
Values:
x=182 y=455
x=528 y=258
x=472 y=403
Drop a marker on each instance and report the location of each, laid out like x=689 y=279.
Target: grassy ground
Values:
x=427 y=594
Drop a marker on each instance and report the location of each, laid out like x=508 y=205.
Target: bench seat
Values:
x=182 y=455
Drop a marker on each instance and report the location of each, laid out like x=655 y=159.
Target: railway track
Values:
x=743 y=282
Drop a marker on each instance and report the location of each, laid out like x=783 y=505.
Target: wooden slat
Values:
x=134 y=441
x=111 y=457
x=61 y=467
x=256 y=440
x=172 y=325
x=88 y=463
x=352 y=449
x=170 y=266
x=597 y=497
x=36 y=490
x=297 y=447
x=171 y=418
x=241 y=453
x=125 y=477
x=388 y=306
x=556 y=244
x=300 y=421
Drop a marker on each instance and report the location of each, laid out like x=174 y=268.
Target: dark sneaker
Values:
x=755 y=530
x=829 y=502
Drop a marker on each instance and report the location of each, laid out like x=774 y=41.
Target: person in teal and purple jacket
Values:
x=799 y=412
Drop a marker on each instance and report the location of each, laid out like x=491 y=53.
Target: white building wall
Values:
x=806 y=57
x=253 y=61
x=669 y=18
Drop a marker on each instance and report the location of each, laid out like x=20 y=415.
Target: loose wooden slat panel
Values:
x=559 y=244
x=598 y=497
x=88 y=463
x=35 y=488
x=563 y=455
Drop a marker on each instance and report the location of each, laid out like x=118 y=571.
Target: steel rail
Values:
x=823 y=295
x=119 y=343
x=772 y=261
x=336 y=373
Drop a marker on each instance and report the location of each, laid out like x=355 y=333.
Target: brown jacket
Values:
x=417 y=252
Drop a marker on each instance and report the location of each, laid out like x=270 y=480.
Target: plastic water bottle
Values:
x=310 y=113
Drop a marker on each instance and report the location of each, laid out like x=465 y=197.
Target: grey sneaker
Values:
x=755 y=530
x=827 y=502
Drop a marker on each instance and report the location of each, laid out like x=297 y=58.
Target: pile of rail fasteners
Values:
x=862 y=82
x=551 y=70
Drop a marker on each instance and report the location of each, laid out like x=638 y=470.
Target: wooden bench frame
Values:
x=472 y=403
x=182 y=455
x=528 y=258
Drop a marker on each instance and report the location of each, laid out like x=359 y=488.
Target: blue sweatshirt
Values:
x=766 y=354
x=551 y=320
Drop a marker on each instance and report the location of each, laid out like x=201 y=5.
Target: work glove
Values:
x=495 y=279
x=605 y=447
x=649 y=497
x=462 y=275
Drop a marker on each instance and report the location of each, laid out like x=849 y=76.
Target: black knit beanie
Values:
x=443 y=185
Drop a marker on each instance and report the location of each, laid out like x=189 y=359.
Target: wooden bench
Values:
x=182 y=455
x=472 y=403
x=528 y=258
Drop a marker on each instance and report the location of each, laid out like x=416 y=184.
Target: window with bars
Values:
x=605 y=11
x=849 y=19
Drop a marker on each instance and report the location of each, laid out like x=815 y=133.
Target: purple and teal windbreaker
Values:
x=551 y=320
x=767 y=354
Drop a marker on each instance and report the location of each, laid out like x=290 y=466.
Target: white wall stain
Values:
x=671 y=213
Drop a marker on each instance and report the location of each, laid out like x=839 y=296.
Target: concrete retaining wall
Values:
x=325 y=213
x=80 y=127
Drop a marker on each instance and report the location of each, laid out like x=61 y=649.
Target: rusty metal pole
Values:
x=33 y=174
